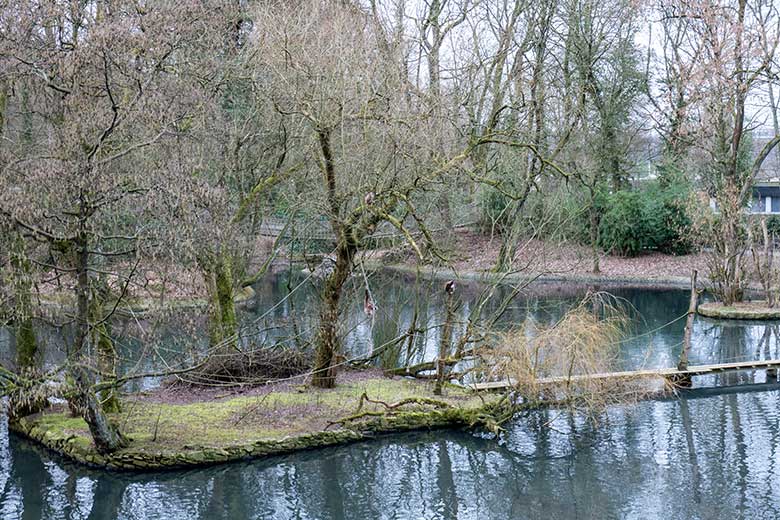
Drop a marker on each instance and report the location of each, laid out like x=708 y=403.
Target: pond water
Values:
x=284 y=312
x=705 y=455
x=693 y=458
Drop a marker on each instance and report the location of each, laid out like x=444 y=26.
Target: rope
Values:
x=650 y=332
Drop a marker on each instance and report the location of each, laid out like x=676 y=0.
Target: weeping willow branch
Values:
x=553 y=364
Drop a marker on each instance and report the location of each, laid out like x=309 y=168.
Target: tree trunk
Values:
x=692 y=306
x=24 y=331
x=106 y=436
x=107 y=361
x=729 y=255
x=100 y=339
x=3 y=104
x=83 y=291
x=223 y=325
x=511 y=237
x=328 y=344
x=594 y=236
x=508 y=249
x=775 y=121
x=434 y=45
x=763 y=262
x=26 y=344
x=446 y=338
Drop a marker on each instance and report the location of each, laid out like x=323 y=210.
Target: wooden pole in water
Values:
x=692 y=306
x=446 y=337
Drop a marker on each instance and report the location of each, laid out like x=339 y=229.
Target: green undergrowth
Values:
x=164 y=435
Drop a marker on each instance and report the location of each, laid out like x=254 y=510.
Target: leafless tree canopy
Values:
x=148 y=149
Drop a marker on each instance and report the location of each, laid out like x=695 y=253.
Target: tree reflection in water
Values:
x=708 y=457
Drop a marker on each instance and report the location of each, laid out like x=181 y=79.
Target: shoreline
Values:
x=75 y=449
x=142 y=306
x=76 y=445
x=190 y=443
x=442 y=273
x=55 y=432
x=78 y=449
x=461 y=409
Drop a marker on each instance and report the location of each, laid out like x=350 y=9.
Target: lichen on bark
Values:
x=223 y=324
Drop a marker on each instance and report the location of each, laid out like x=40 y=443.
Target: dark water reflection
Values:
x=697 y=457
x=652 y=341
x=286 y=308
x=713 y=457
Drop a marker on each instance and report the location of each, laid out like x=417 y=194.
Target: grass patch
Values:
x=288 y=418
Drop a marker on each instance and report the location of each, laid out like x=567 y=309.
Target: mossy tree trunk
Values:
x=328 y=343
x=107 y=358
x=350 y=230
x=106 y=436
x=26 y=342
x=89 y=321
x=223 y=324
x=3 y=104
x=24 y=331
x=107 y=362
x=442 y=367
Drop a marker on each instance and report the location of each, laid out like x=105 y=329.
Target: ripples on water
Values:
x=709 y=457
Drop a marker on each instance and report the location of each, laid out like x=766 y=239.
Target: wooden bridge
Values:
x=319 y=233
x=319 y=230
x=677 y=377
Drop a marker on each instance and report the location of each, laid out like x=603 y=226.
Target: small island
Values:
x=748 y=310
x=177 y=427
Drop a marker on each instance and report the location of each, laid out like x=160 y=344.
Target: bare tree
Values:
x=437 y=23
x=359 y=140
x=737 y=44
x=606 y=82
x=677 y=90
x=109 y=84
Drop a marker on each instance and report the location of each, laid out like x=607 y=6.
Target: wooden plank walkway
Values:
x=667 y=373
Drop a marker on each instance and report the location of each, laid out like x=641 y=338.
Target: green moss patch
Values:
x=755 y=310
x=165 y=435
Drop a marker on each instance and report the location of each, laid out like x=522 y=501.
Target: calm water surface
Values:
x=286 y=308
x=701 y=456
x=709 y=457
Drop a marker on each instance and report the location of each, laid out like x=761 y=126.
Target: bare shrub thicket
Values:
x=563 y=362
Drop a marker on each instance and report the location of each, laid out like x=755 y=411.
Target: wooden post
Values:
x=692 y=306
x=446 y=337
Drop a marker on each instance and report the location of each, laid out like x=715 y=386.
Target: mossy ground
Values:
x=164 y=434
x=272 y=415
x=752 y=310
